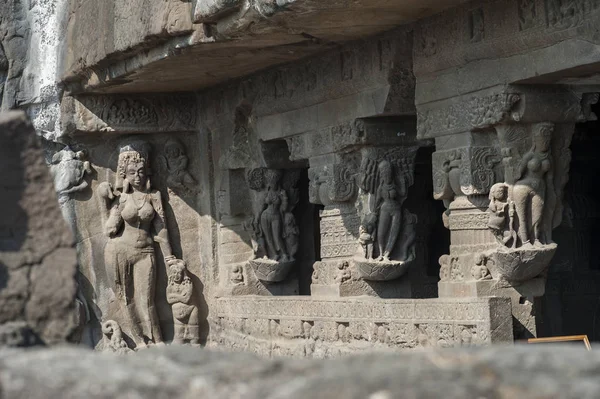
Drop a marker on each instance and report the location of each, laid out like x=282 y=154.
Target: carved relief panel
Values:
x=127 y=250
x=133 y=220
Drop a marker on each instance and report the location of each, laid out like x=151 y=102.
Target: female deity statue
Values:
x=135 y=221
x=273 y=227
x=272 y=216
x=533 y=191
x=389 y=205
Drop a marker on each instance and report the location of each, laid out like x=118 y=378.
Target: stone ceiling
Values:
x=202 y=45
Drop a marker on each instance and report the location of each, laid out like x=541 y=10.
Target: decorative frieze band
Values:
x=129 y=114
x=507 y=105
x=476 y=310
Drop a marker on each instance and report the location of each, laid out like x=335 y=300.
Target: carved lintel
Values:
x=129 y=114
x=507 y=105
x=467 y=113
x=352 y=135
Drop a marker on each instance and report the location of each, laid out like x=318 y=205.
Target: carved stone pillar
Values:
x=367 y=236
x=501 y=172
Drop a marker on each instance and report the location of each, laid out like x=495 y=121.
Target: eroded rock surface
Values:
x=183 y=372
x=37 y=258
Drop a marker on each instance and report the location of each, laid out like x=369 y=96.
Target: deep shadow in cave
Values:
x=571 y=304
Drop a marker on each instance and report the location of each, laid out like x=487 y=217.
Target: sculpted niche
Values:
x=134 y=221
x=273 y=225
x=387 y=230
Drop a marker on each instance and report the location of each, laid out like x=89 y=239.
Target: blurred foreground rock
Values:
x=37 y=258
x=184 y=372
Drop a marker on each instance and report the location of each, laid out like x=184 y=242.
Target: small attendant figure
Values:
x=185 y=314
x=367 y=234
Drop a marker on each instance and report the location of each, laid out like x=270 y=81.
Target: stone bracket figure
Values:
x=387 y=231
x=523 y=208
x=273 y=227
x=527 y=204
x=180 y=295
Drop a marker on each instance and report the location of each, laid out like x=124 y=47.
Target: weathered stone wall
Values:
x=522 y=42
x=324 y=133
x=37 y=258
x=101 y=31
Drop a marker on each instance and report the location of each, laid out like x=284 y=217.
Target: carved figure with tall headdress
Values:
x=134 y=220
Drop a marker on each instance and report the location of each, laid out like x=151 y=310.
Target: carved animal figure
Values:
x=180 y=292
x=113 y=338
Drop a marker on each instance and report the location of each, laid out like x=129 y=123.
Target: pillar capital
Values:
x=501 y=166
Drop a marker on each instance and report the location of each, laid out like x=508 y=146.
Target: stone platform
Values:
x=307 y=327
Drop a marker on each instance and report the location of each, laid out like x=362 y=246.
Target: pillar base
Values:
x=523 y=299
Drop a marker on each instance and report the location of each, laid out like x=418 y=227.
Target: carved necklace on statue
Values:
x=137 y=203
